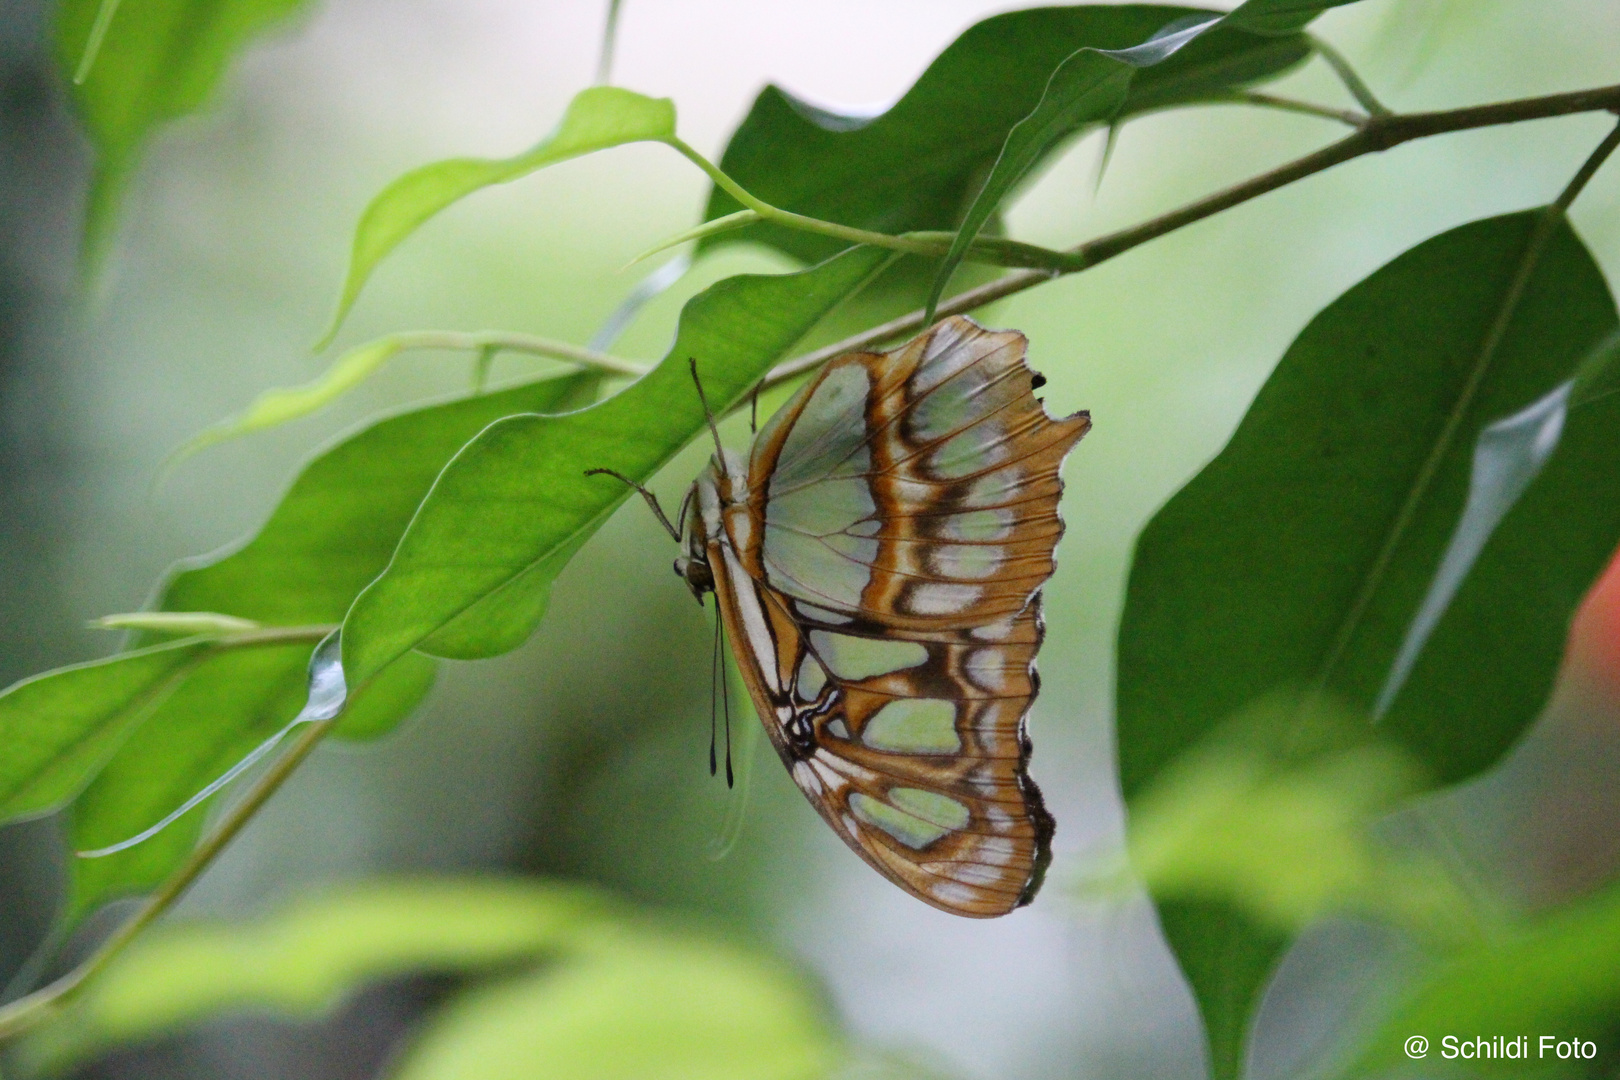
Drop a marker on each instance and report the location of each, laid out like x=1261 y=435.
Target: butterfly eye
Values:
x=680 y=567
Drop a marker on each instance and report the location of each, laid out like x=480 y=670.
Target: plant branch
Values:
x=28 y=1012
x=1347 y=75
x=1378 y=133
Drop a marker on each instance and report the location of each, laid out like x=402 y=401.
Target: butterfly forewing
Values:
x=878 y=561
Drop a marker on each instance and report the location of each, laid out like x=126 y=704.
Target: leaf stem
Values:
x=28 y=1012
x=610 y=38
x=1347 y=75
x=992 y=250
x=1308 y=108
x=1378 y=133
x=1588 y=169
x=508 y=341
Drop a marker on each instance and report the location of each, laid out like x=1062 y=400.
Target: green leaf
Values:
x=1300 y=555
x=1598 y=375
x=651 y=1007
x=277 y=406
x=918 y=165
x=1279 y=16
x=1091 y=86
x=597 y=118
x=59 y=728
x=574 y=985
x=516 y=502
x=1558 y=976
x=160 y=60
x=332 y=532
x=303 y=959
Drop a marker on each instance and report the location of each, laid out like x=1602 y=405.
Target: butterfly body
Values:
x=877 y=557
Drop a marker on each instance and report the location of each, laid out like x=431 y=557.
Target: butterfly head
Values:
x=693 y=567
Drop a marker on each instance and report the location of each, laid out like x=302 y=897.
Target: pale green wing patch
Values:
x=912 y=816
x=914 y=726
x=852 y=658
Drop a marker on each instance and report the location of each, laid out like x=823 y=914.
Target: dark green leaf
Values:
x=333 y=531
x=513 y=505
x=1299 y=557
x=159 y=60
x=918 y=165
x=1091 y=87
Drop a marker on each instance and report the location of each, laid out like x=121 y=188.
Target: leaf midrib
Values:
x=1535 y=245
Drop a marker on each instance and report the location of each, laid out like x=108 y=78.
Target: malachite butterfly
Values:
x=877 y=558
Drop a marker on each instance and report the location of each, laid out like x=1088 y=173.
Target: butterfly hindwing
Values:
x=878 y=569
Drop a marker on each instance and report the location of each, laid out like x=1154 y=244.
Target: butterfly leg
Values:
x=652 y=500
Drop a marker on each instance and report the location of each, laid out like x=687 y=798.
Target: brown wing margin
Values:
x=962 y=466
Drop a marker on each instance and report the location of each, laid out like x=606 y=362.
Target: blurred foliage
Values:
x=139 y=65
x=565 y=982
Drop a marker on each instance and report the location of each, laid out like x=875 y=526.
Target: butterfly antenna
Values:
x=714 y=668
x=725 y=702
x=708 y=414
x=753 y=408
x=652 y=500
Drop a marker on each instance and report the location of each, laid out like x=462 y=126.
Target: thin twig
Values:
x=1377 y=134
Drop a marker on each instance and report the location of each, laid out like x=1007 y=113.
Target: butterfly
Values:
x=877 y=558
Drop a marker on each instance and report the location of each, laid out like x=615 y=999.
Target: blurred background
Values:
x=583 y=754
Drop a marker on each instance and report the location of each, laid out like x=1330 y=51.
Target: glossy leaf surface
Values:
x=1299 y=557
x=516 y=503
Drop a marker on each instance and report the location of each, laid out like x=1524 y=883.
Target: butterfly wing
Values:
x=879 y=572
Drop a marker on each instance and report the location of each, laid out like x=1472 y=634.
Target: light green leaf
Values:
x=650 y=1007
x=332 y=532
x=1557 y=976
x=281 y=404
x=303 y=959
x=516 y=501
x=1299 y=557
x=159 y=60
x=581 y=986
x=59 y=728
x=598 y=118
